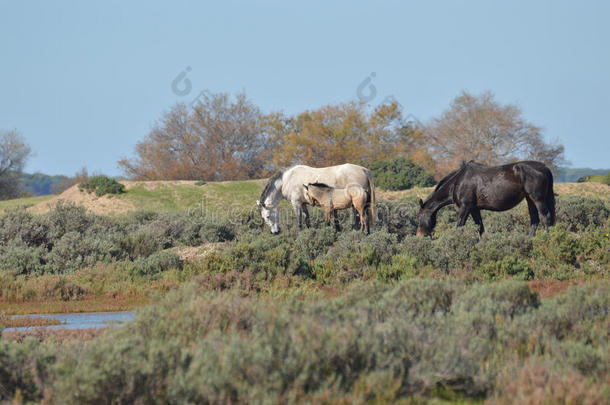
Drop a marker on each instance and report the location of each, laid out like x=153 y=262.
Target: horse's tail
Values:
x=550 y=199
x=371 y=181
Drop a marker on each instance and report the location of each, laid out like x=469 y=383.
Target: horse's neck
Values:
x=441 y=197
x=276 y=195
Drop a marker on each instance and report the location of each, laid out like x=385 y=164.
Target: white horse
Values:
x=289 y=184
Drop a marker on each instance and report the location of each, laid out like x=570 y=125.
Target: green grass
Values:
x=221 y=198
x=18 y=202
x=600 y=178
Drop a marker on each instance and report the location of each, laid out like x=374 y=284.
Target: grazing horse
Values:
x=289 y=183
x=475 y=187
x=332 y=199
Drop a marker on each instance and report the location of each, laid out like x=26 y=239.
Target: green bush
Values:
x=102 y=185
x=579 y=212
x=374 y=342
x=157 y=263
x=19 y=258
x=400 y=174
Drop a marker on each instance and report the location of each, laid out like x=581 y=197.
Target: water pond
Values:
x=79 y=320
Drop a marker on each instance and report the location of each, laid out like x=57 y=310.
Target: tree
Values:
x=347 y=132
x=477 y=127
x=14 y=153
x=400 y=174
x=219 y=139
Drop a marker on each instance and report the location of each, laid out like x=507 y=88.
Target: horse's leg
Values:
x=306 y=212
x=534 y=218
x=298 y=212
x=337 y=225
x=365 y=219
x=543 y=209
x=476 y=216
x=357 y=219
x=463 y=213
x=361 y=214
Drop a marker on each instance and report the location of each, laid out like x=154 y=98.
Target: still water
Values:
x=79 y=320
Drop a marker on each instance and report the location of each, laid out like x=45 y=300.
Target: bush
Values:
x=19 y=258
x=400 y=174
x=157 y=263
x=413 y=341
x=102 y=185
x=579 y=212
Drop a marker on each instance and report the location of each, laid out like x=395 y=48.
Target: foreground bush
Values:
x=376 y=342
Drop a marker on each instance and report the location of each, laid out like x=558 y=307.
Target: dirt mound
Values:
x=100 y=205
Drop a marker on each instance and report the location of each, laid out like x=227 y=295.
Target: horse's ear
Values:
x=421 y=203
x=258 y=203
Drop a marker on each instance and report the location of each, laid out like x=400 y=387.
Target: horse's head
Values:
x=426 y=218
x=270 y=215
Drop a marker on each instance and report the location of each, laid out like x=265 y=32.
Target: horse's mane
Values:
x=269 y=186
x=448 y=178
x=451 y=175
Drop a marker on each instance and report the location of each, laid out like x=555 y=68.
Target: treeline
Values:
x=230 y=138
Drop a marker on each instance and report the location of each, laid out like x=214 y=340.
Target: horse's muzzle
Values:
x=420 y=232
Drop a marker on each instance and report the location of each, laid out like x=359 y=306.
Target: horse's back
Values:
x=338 y=176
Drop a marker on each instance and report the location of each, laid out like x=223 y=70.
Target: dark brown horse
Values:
x=475 y=187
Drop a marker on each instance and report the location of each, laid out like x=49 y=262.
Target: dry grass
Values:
x=9 y=322
x=59 y=335
x=550 y=288
x=90 y=304
x=189 y=253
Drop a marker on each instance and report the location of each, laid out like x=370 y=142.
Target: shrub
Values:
x=579 y=212
x=452 y=250
x=20 y=224
x=314 y=242
x=157 y=263
x=102 y=185
x=400 y=174
x=401 y=267
x=399 y=217
x=19 y=258
x=507 y=266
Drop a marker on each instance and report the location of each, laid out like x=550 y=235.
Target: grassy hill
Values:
x=219 y=198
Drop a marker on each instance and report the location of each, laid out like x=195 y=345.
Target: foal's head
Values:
x=317 y=193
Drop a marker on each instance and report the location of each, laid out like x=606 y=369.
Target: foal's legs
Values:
x=476 y=216
x=534 y=219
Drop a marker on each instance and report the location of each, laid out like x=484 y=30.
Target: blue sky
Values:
x=84 y=81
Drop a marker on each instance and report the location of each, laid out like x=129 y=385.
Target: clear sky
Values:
x=84 y=81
